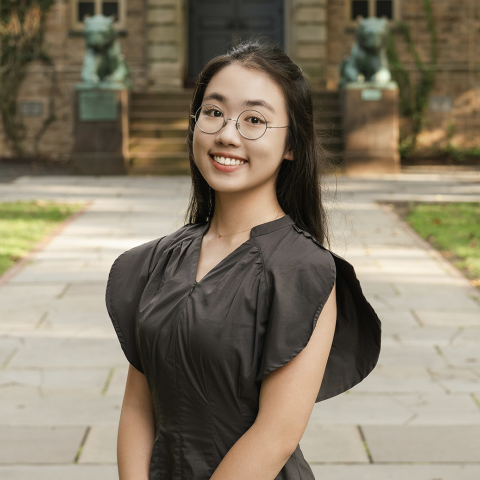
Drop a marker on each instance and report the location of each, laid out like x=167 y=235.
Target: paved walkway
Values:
x=62 y=372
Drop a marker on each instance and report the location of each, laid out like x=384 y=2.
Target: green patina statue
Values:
x=103 y=65
x=368 y=57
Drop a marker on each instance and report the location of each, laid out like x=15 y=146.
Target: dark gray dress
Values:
x=205 y=346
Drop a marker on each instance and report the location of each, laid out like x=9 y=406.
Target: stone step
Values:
x=159 y=170
x=159 y=125
x=154 y=107
x=153 y=134
x=147 y=156
x=137 y=145
x=158 y=115
x=167 y=102
x=153 y=125
x=180 y=95
x=160 y=164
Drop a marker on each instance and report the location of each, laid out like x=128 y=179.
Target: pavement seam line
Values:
x=108 y=381
x=82 y=444
x=41 y=320
x=475 y=400
x=9 y=358
x=64 y=291
x=365 y=444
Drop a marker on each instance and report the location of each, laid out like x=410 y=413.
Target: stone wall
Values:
x=308 y=39
x=455 y=100
x=54 y=87
x=166 y=44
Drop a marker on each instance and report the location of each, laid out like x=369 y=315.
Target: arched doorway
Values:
x=214 y=26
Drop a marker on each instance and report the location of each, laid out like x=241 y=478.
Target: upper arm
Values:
x=288 y=394
x=137 y=392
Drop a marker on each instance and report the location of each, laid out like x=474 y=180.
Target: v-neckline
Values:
x=199 y=248
x=254 y=231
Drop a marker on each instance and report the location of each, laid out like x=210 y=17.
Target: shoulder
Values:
x=291 y=250
x=146 y=255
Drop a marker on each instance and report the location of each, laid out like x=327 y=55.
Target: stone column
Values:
x=308 y=44
x=101 y=132
x=371 y=128
x=165 y=49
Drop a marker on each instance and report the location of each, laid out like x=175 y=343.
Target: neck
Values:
x=235 y=212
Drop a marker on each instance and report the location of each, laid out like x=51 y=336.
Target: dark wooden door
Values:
x=215 y=26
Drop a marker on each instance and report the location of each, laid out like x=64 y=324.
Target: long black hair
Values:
x=298 y=183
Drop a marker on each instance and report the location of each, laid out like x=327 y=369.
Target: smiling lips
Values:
x=227 y=160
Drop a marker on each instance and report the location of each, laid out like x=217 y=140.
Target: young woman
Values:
x=238 y=322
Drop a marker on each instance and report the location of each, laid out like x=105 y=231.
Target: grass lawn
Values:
x=452 y=228
x=23 y=224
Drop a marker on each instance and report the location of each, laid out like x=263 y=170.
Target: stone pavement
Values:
x=62 y=372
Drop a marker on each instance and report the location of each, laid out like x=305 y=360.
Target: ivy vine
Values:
x=21 y=39
x=414 y=98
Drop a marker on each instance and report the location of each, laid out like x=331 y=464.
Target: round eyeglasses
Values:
x=250 y=123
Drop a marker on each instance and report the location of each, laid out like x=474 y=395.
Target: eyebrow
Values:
x=247 y=103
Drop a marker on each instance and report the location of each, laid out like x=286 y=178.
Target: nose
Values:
x=229 y=135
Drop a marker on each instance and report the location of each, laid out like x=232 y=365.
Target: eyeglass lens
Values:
x=251 y=124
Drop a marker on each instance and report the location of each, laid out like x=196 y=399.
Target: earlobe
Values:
x=288 y=155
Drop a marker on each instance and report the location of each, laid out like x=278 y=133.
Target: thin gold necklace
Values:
x=219 y=236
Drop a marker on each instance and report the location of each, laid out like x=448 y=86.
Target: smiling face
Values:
x=235 y=89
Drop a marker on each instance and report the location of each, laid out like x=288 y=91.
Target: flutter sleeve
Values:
x=298 y=291
x=126 y=281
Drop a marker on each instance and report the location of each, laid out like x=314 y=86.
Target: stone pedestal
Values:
x=371 y=128
x=101 y=132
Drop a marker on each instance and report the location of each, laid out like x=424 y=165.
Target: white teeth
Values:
x=228 y=161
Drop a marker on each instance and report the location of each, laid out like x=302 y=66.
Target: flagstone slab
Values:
x=68 y=382
x=100 y=445
x=21 y=377
x=423 y=444
x=21 y=316
x=428 y=302
x=28 y=276
x=116 y=386
x=73 y=410
x=398 y=379
x=428 y=336
x=462 y=356
x=460 y=317
x=440 y=409
x=396 y=472
x=333 y=444
x=37 y=445
x=361 y=409
x=457 y=380
x=68 y=352
x=411 y=356
x=83 y=290
x=8 y=349
x=18 y=296
x=59 y=472
x=467 y=337
x=77 y=316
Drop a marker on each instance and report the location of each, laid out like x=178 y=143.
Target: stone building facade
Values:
x=154 y=36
